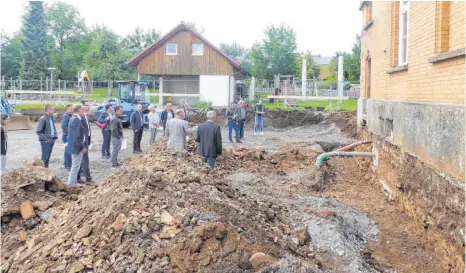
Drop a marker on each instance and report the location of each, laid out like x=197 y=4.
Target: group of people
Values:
x=76 y=133
x=237 y=115
x=76 y=137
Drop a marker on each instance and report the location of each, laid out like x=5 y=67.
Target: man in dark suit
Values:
x=209 y=136
x=65 y=121
x=47 y=133
x=85 y=170
x=76 y=142
x=137 y=124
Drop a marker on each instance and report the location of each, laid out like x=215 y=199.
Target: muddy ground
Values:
x=265 y=208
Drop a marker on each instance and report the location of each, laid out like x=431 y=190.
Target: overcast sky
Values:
x=324 y=27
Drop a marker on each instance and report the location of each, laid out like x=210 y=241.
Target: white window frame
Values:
x=404 y=9
x=171 y=54
x=192 y=49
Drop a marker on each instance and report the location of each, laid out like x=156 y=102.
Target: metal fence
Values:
x=313 y=88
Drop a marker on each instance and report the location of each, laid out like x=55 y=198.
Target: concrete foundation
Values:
x=434 y=132
x=421 y=157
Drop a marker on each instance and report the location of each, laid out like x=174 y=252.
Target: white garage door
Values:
x=214 y=89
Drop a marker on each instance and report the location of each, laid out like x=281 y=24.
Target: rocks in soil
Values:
x=165 y=211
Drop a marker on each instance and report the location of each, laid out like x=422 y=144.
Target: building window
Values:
x=198 y=49
x=368 y=14
x=403 y=33
x=442 y=26
x=171 y=49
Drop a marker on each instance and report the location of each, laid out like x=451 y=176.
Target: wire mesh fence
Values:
x=312 y=88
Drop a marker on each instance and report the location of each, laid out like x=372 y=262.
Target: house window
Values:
x=368 y=16
x=442 y=26
x=198 y=49
x=403 y=34
x=171 y=49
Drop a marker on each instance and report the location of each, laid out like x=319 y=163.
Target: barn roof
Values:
x=182 y=26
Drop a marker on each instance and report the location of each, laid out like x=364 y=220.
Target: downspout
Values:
x=342 y=152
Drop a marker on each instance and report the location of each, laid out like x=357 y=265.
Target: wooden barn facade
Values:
x=190 y=68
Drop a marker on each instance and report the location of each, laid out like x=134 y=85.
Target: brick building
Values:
x=413 y=75
x=412 y=106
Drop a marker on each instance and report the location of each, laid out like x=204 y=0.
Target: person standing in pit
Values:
x=166 y=115
x=105 y=117
x=232 y=124
x=241 y=113
x=259 y=111
x=4 y=143
x=209 y=137
x=47 y=133
x=137 y=123
x=76 y=142
x=65 y=122
x=117 y=136
x=154 y=122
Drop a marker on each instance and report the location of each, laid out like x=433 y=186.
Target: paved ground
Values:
x=23 y=145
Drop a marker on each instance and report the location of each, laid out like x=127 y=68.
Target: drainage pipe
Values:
x=325 y=156
x=349 y=147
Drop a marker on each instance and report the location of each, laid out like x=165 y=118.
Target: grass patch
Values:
x=345 y=106
x=35 y=106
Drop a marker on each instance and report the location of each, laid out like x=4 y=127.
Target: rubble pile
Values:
x=33 y=183
x=164 y=211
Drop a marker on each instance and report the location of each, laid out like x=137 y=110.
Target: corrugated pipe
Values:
x=342 y=152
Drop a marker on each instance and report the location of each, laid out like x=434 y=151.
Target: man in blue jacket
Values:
x=76 y=142
x=65 y=121
x=137 y=123
x=47 y=133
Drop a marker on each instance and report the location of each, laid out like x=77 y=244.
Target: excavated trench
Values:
x=263 y=209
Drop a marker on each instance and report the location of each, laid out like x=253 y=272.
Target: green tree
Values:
x=107 y=54
x=277 y=52
x=10 y=55
x=65 y=23
x=239 y=53
x=351 y=63
x=139 y=39
x=258 y=62
x=35 y=47
x=68 y=31
x=198 y=29
x=313 y=70
x=234 y=50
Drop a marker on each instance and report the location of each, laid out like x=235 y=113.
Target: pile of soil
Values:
x=33 y=183
x=166 y=211
x=277 y=119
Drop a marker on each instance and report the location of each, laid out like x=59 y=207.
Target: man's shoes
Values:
x=68 y=168
x=136 y=152
x=140 y=150
x=239 y=141
x=262 y=133
x=255 y=133
x=104 y=157
x=89 y=180
x=115 y=168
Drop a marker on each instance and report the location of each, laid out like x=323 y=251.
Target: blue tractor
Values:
x=130 y=94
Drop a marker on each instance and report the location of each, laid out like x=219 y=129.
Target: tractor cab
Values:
x=130 y=94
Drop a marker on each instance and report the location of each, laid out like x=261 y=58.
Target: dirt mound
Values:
x=165 y=211
x=33 y=183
